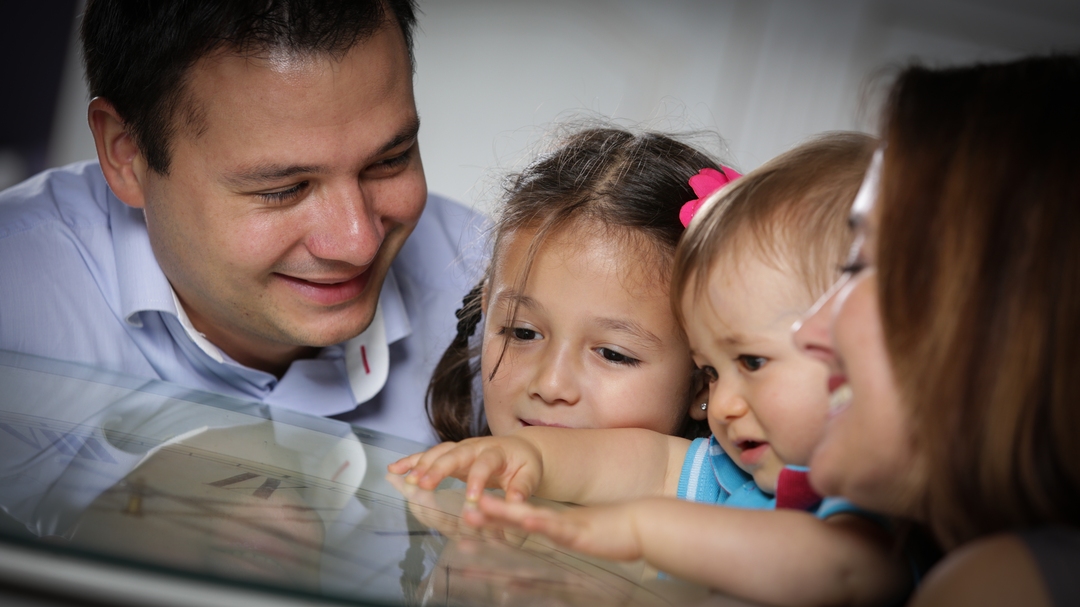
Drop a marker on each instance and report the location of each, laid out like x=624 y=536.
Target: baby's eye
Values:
x=709 y=373
x=617 y=357
x=751 y=362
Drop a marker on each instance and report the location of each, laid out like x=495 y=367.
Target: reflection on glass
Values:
x=225 y=493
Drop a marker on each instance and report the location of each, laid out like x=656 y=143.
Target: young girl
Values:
x=757 y=257
x=577 y=328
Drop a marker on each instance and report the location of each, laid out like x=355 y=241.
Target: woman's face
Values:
x=867 y=453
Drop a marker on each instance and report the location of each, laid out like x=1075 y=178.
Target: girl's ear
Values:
x=697 y=412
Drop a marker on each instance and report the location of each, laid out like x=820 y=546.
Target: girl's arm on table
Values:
x=782 y=557
x=561 y=464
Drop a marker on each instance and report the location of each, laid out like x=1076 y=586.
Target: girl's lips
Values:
x=328 y=293
x=835 y=381
x=536 y=422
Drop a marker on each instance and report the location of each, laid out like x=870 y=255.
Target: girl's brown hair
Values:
x=792 y=210
x=979 y=277
x=629 y=185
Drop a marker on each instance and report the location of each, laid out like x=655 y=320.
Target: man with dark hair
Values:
x=246 y=228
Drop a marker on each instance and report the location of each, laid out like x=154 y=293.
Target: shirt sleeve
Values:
x=697 y=483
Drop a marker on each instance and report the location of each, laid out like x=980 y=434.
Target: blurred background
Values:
x=495 y=77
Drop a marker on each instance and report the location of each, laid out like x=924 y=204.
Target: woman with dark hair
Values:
x=953 y=340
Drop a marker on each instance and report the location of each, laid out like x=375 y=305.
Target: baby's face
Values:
x=767 y=401
x=593 y=343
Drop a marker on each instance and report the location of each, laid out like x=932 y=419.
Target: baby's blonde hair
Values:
x=792 y=211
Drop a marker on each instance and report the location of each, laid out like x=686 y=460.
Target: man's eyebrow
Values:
x=408 y=133
x=262 y=174
x=631 y=328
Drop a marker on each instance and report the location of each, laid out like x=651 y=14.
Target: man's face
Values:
x=288 y=195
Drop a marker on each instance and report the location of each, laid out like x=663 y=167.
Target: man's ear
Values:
x=700 y=396
x=120 y=159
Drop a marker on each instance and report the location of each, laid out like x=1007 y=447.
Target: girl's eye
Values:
x=618 y=357
x=284 y=195
x=752 y=363
x=709 y=373
x=523 y=334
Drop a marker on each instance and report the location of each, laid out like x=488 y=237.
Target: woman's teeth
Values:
x=840 y=398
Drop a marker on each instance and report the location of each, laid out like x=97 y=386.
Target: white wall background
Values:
x=494 y=76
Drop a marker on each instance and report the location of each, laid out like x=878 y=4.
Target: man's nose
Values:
x=557 y=376
x=344 y=226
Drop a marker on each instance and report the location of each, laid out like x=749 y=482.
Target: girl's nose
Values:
x=557 y=376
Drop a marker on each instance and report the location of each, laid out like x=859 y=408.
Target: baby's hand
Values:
x=510 y=463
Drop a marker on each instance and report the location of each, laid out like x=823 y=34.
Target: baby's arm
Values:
x=561 y=464
x=783 y=557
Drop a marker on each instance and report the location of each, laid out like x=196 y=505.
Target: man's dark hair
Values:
x=137 y=53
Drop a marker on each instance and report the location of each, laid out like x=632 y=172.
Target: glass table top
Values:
x=118 y=490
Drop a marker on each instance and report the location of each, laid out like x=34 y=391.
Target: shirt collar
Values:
x=144 y=287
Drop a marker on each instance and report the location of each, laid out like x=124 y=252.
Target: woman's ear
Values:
x=119 y=156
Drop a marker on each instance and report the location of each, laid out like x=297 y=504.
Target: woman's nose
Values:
x=813 y=332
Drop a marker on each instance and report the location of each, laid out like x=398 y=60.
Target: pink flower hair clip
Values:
x=705 y=183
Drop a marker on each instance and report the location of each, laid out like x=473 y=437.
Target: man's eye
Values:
x=286 y=195
x=709 y=373
x=617 y=357
x=752 y=363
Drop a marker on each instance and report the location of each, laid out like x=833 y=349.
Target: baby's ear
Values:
x=699 y=404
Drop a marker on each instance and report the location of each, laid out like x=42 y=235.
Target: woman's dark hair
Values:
x=138 y=54
x=979 y=281
x=631 y=185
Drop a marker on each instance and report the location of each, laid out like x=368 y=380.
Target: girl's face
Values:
x=767 y=402
x=867 y=453
x=593 y=343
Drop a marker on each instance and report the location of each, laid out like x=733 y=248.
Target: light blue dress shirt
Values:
x=79 y=282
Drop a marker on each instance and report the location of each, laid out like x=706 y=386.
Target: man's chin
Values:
x=333 y=331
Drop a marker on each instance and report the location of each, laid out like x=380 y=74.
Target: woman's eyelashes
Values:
x=853 y=267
